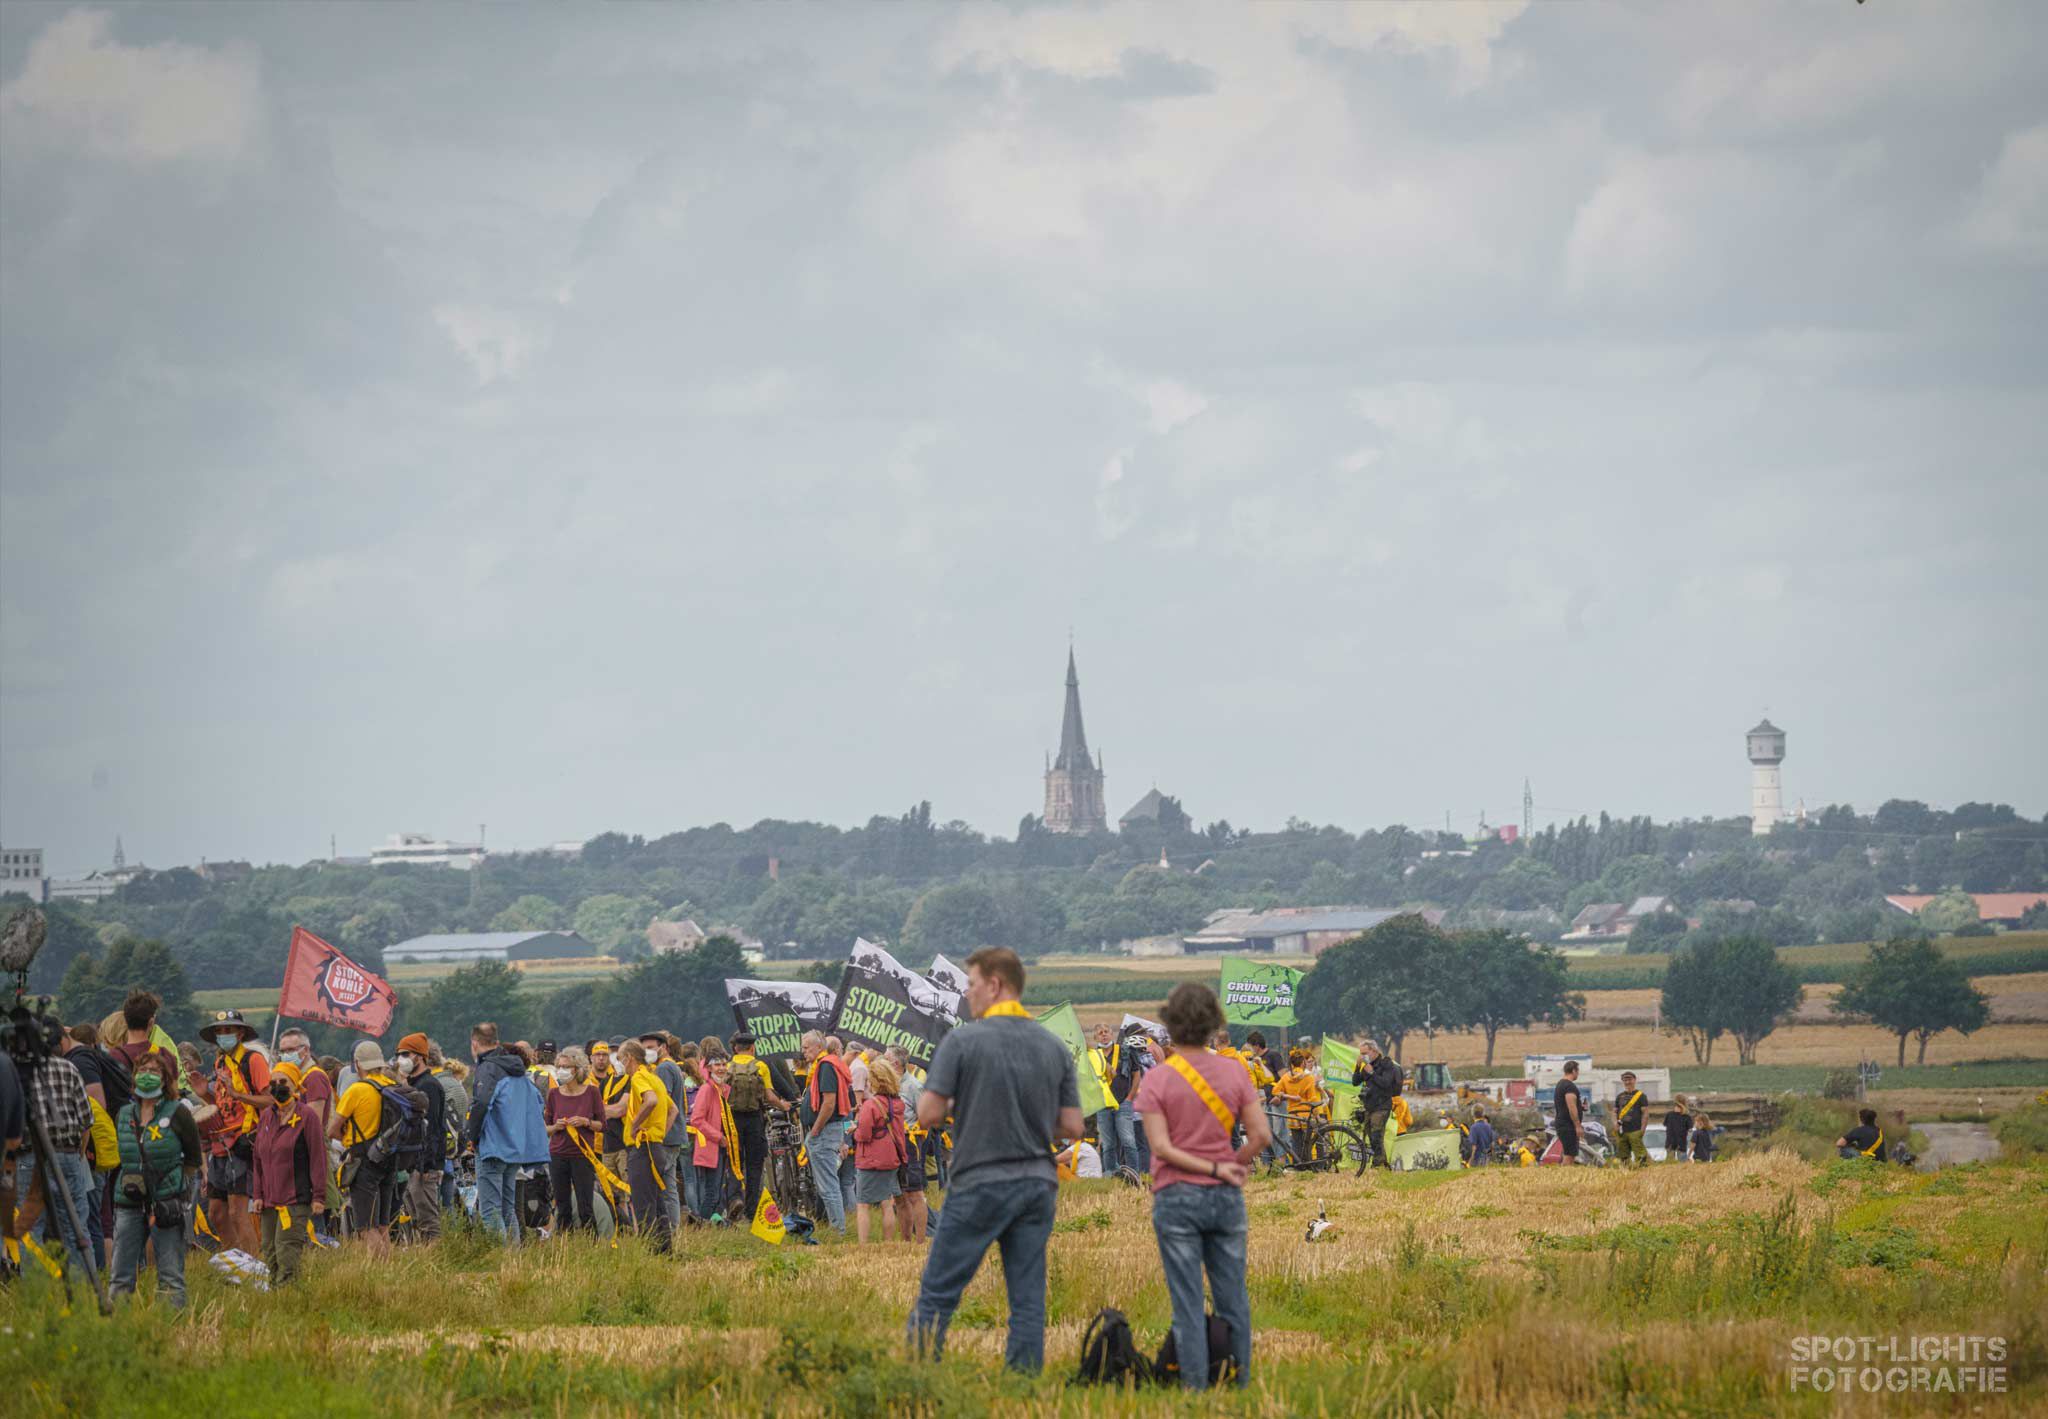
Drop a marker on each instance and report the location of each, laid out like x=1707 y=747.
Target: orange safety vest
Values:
x=843 y=1097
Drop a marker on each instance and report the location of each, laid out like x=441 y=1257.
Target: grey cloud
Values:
x=646 y=416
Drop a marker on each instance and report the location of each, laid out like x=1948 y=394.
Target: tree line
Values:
x=807 y=889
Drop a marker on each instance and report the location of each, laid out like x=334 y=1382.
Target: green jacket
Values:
x=160 y=1144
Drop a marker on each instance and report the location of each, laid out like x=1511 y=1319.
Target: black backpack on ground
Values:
x=1109 y=1356
x=1222 y=1364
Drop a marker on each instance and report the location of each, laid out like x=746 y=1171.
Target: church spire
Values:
x=1073 y=738
x=1073 y=781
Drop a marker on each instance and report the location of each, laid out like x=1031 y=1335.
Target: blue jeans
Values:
x=497 y=1207
x=823 y=1149
x=1135 y=1149
x=1017 y=1217
x=131 y=1232
x=78 y=1180
x=1105 y=1132
x=1203 y=1228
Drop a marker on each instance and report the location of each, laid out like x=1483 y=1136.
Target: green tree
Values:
x=1910 y=988
x=614 y=923
x=682 y=991
x=1659 y=931
x=1729 y=985
x=1508 y=984
x=489 y=990
x=958 y=917
x=94 y=989
x=531 y=913
x=1384 y=983
x=1949 y=912
x=1327 y=884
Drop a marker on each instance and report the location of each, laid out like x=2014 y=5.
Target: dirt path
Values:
x=1956 y=1143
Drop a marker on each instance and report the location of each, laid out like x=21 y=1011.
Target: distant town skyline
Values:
x=713 y=413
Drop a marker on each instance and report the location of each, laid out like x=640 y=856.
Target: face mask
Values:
x=227 y=1039
x=407 y=1063
x=280 y=1090
x=149 y=1086
x=565 y=1075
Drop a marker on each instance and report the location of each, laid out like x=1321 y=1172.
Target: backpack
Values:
x=1222 y=1364
x=106 y=1143
x=1108 y=1354
x=117 y=1080
x=402 y=1140
x=749 y=1088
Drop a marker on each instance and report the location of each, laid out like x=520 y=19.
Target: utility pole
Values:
x=1528 y=812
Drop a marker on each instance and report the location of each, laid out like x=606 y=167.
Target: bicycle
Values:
x=1327 y=1148
x=789 y=1173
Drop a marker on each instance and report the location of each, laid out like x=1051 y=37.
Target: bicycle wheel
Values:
x=1339 y=1149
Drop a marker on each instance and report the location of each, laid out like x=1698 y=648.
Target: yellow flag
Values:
x=768 y=1220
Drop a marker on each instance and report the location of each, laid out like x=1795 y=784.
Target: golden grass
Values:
x=1492 y=1291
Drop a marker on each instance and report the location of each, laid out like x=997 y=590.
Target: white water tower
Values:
x=1766 y=786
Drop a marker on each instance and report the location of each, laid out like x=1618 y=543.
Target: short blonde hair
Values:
x=882 y=1076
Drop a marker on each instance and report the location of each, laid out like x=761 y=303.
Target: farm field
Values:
x=1677 y=1290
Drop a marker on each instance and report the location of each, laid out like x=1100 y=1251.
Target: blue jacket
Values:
x=505 y=1115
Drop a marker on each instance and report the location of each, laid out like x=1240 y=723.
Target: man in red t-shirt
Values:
x=1192 y=1105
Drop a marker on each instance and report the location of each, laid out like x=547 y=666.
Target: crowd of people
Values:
x=274 y=1153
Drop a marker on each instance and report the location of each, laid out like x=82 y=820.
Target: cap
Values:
x=414 y=1043
x=368 y=1056
x=547 y=1046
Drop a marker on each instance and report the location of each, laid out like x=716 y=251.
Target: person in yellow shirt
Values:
x=358 y=1118
x=1304 y=1095
x=1400 y=1118
x=648 y=1110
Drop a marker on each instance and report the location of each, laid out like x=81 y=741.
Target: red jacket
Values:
x=289 y=1161
x=879 y=1143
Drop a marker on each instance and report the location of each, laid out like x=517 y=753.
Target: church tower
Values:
x=1074 y=800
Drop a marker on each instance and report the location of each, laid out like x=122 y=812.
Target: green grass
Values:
x=1665 y=1293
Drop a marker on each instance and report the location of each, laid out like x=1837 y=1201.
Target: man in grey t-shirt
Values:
x=1009 y=1084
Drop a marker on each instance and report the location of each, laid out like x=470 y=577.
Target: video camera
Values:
x=31 y=1031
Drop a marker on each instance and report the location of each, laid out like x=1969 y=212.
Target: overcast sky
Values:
x=575 y=418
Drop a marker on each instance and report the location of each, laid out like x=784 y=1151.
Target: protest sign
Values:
x=1339 y=1059
x=947 y=976
x=1258 y=992
x=777 y=1012
x=882 y=1003
x=1064 y=1023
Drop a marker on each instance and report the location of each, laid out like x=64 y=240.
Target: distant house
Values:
x=666 y=936
x=1991 y=906
x=1613 y=921
x=92 y=887
x=1145 y=810
x=223 y=872
x=463 y=947
x=1290 y=931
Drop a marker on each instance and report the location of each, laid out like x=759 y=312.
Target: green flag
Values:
x=1258 y=992
x=1063 y=1022
x=1339 y=1059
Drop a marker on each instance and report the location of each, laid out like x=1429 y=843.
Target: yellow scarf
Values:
x=1006 y=1009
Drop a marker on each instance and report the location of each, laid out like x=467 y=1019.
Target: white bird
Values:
x=1321 y=1224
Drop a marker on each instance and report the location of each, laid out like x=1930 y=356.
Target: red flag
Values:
x=322 y=984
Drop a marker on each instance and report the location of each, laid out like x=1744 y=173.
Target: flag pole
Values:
x=277 y=1018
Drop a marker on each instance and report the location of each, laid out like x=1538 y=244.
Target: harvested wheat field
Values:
x=1676 y=1290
